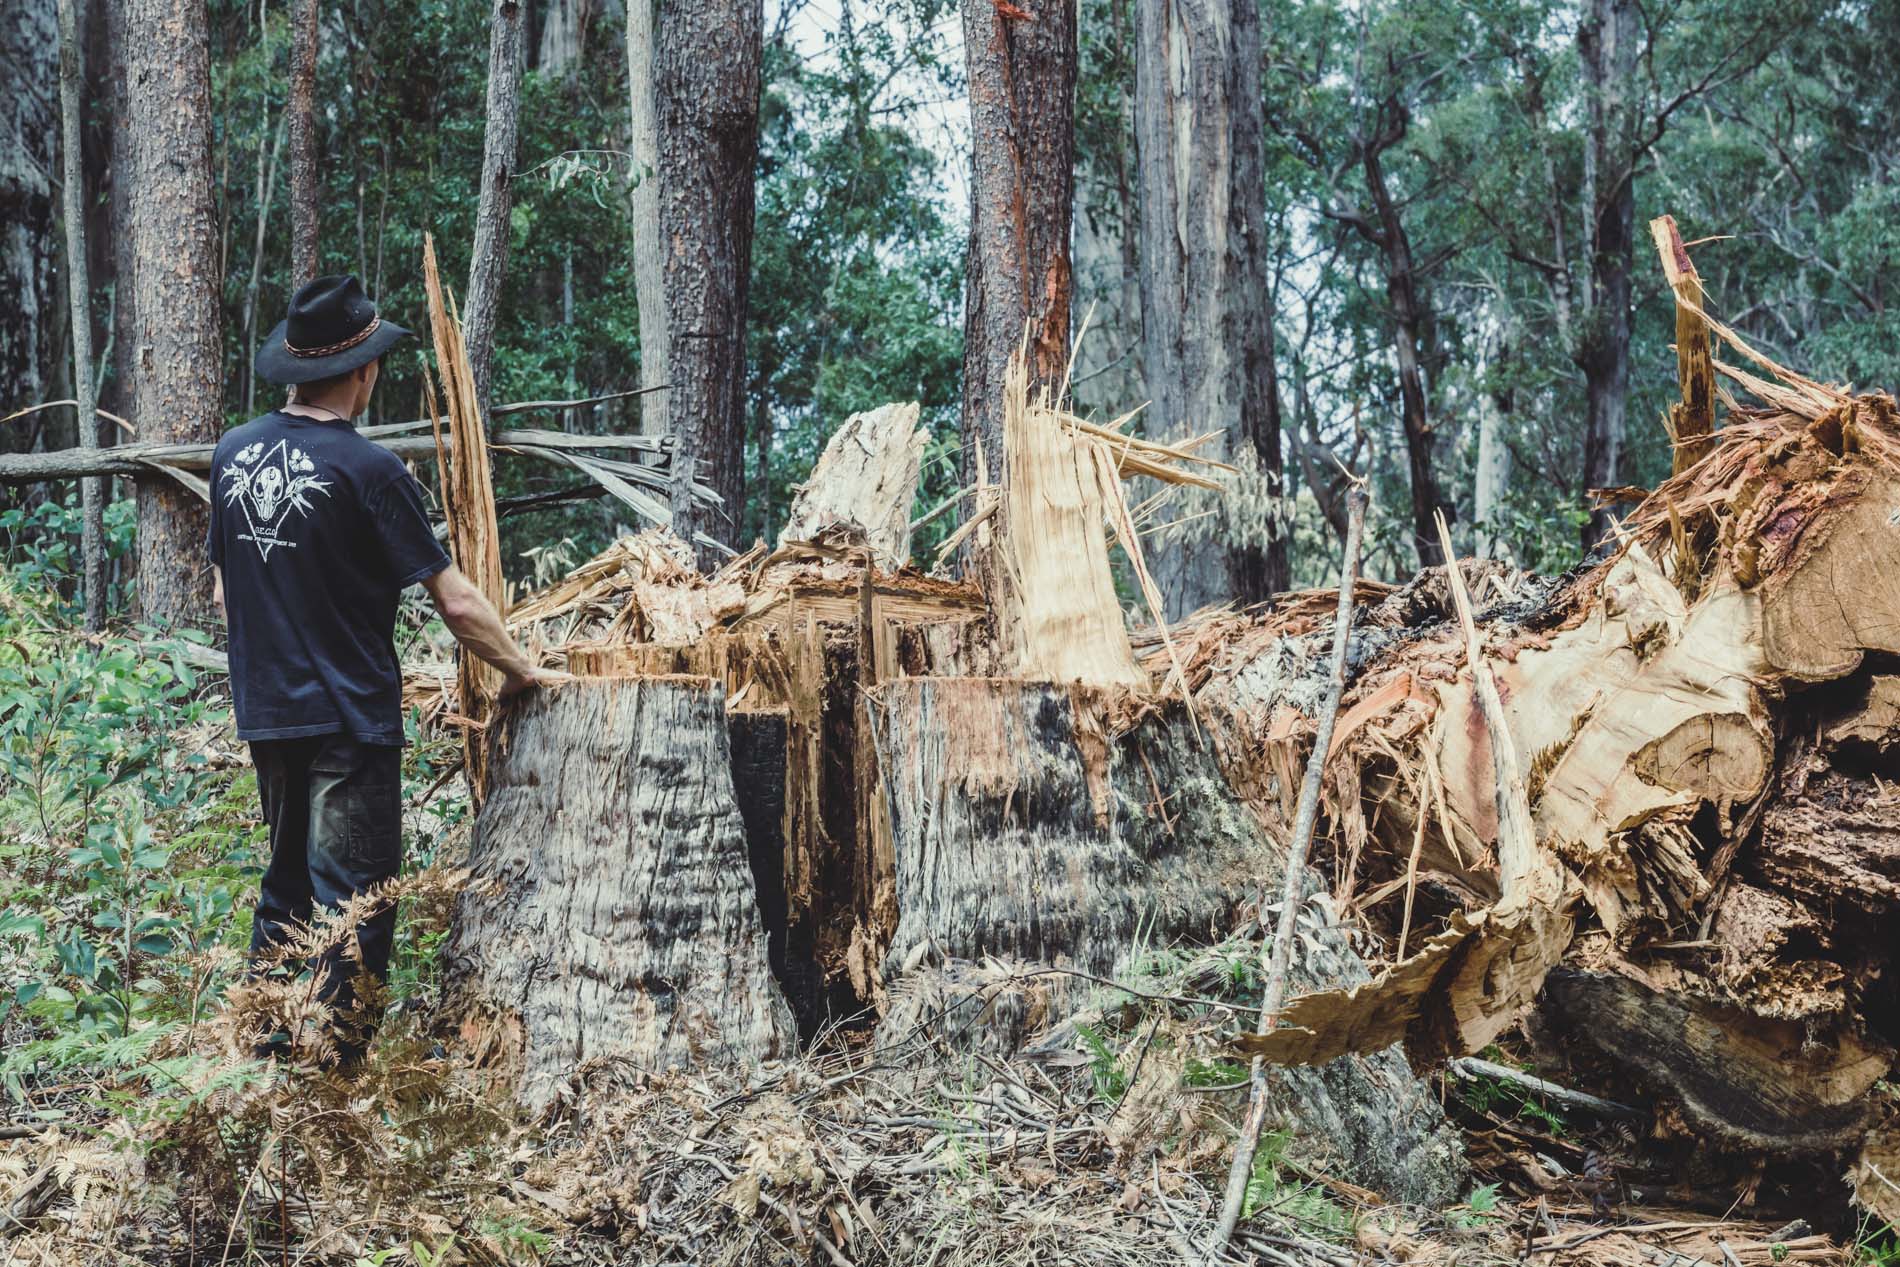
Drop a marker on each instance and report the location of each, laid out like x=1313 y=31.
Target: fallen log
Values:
x=611 y=909
x=1705 y=720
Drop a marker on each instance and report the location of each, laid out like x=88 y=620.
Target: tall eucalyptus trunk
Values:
x=489 y=264
x=305 y=182
x=29 y=49
x=706 y=69
x=1206 y=305
x=1021 y=66
x=72 y=82
x=174 y=245
x=1608 y=41
x=649 y=265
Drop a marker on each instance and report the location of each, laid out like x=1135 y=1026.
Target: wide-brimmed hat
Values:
x=332 y=329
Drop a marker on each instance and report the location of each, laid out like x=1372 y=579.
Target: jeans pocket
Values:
x=357 y=810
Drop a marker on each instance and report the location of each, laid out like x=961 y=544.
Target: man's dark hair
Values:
x=321 y=386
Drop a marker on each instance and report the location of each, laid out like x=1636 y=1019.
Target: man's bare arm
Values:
x=477 y=626
x=217 y=593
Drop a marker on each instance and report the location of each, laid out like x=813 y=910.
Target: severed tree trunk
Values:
x=305 y=184
x=490 y=261
x=175 y=289
x=1026 y=827
x=1022 y=118
x=1607 y=47
x=72 y=81
x=612 y=910
x=706 y=67
x=29 y=48
x=1206 y=315
x=649 y=265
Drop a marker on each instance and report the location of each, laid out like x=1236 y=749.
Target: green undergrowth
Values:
x=130 y=843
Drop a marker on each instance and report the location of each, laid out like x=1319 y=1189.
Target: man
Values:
x=315 y=532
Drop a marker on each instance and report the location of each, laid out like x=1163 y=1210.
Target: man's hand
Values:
x=514 y=683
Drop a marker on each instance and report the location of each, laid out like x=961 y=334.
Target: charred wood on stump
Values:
x=1025 y=830
x=611 y=910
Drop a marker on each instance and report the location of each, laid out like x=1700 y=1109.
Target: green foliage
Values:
x=128 y=861
x=1111 y=1080
x=1510 y=1099
x=1213 y=1073
x=1274 y=1187
x=1479 y=1209
x=1876 y=1244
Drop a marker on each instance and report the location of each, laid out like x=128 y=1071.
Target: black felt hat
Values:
x=332 y=329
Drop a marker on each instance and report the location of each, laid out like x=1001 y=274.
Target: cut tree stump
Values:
x=611 y=909
x=1026 y=832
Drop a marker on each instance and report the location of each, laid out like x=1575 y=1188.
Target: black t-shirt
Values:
x=317 y=532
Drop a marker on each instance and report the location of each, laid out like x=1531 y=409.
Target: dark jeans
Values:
x=335 y=812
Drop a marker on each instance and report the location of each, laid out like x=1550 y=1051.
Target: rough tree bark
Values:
x=302 y=113
x=706 y=68
x=1021 y=62
x=490 y=262
x=1023 y=828
x=1206 y=308
x=1607 y=46
x=612 y=909
x=649 y=264
x=175 y=287
x=29 y=48
x=72 y=82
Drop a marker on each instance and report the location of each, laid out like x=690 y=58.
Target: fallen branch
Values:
x=1291 y=893
x=1472 y=1069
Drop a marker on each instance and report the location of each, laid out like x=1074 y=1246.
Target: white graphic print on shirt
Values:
x=265 y=486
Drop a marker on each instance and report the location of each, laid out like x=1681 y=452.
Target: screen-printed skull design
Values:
x=267 y=489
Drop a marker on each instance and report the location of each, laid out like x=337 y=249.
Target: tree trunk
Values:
x=1411 y=314
x=612 y=909
x=305 y=187
x=1492 y=479
x=706 y=88
x=564 y=37
x=490 y=261
x=1607 y=45
x=1024 y=828
x=118 y=387
x=175 y=288
x=649 y=265
x=1206 y=319
x=72 y=81
x=29 y=49
x=1022 y=195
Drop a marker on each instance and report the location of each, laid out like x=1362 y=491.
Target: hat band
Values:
x=333 y=348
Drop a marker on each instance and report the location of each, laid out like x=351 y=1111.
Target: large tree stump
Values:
x=1026 y=828
x=611 y=910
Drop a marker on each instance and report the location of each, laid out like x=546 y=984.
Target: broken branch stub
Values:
x=864 y=484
